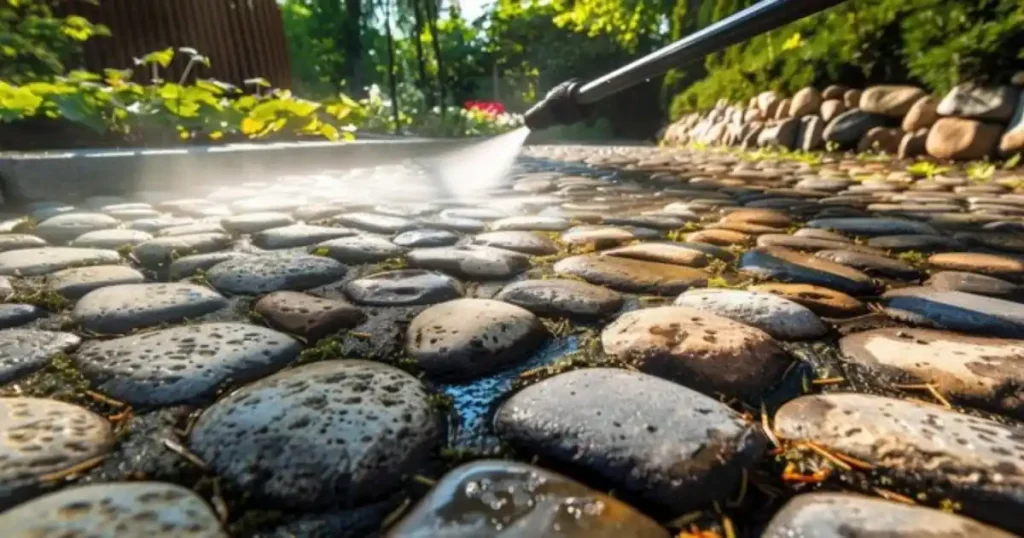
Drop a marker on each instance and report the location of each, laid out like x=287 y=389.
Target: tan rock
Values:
x=631 y=275
x=881 y=139
x=1017 y=79
x=832 y=108
x=662 y=253
x=782 y=134
x=823 y=301
x=752 y=114
x=753 y=134
x=806 y=101
x=852 y=98
x=765 y=217
x=959 y=138
x=835 y=91
x=1004 y=267
x=768 y=103
x=722 y=238
x=913 y=144
x=1013 y=140
x=890 y=100
x=692 y=347
x=922 y=114
x=782 y=112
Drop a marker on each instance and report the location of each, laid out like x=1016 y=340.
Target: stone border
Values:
x=59 y=175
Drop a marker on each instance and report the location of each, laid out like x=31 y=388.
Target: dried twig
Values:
x=72 y=471
x=893 y=496
x=102 y=398
x=395 y=514
x=180 y=450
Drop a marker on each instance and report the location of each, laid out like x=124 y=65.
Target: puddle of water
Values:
x=476 y=401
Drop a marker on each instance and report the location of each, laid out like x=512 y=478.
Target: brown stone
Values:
x=782 y=112
x=752 y=114
x=722 y=238
x=309 y=317
x=852 y=98
x=806 y=101
x=913 y=144
x=768 y=103
x=922 y=114
x=975 y=371
x=703 y=351
x=597 y=235
x=811 y=135
x=881 y=139
x=964 y=139
x=823 y=301
x=745 y=227
x=782 y=134
x=835 y=91
x=630 y=275
x=753 y=133
x=832 y=108
x=767 y=217
x=890 y=100
x=1013 y=139
x=1003 y=267
x=662 y=253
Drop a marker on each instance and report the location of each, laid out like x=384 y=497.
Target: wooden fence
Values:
x=242 y=38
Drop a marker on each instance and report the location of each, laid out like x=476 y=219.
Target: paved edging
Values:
x=50 y=175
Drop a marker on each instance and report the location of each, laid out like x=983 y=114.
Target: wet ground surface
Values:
x=615 y=342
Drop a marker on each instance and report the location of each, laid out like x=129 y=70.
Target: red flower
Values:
x=491 y=107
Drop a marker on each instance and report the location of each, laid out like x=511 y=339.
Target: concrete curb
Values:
x=68 y=175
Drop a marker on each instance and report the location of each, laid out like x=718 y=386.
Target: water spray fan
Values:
x=571 y=100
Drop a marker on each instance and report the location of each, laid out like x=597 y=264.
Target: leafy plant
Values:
x=35 y=43
x=926 y=169
x=980 y=172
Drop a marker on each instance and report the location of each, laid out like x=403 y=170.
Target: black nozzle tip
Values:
x=559 y=107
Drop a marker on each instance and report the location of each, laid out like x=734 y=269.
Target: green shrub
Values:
x=35 y=44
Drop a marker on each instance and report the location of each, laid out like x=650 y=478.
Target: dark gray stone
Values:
x=254 y=275
x=185 y=364
x=848 y=128
x=532 y=243
x=658 y=441
x=790 y=266
x=873 y=226
x=425 y=238
x=123 y=308
x=75 y=282
x=16 y=315
x=562 y=298
x=23 y=351
x=403 y=288
x=358 y=249
x=162 y=251
x=467 y=338
x=281 y=438
x=956 y=311
x=298 y=235
x=871 y=264
x=372 y=222
x=189 y=265
x=976 y=284
x=918 y=242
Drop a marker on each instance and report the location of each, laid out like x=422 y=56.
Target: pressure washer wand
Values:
x=568 y=102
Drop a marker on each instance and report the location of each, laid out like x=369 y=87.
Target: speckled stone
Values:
x=75 y=282
x=41 y=437
x=44 y=260
x=190 y=265
x=254 y=275
x=633 y=276
x=467 y=338
x=779 y=317
x=956 y=311
x=704 y=351
x=122 y=308
x=841 y=515
x=978 y=463
x=160 y=252
x=980 y=372
x=23 y=351
x=532 y=243
x=251 y=223
x=281 y=438
x=471 y=261
x=358 y=249
x=112 y=239
x=403 y=288
x=16 y=315
x=184 y=364
x=516 y=500
x=562 y=298
x=134 y=509
x=652 y=439
x=307 y=316
x=298 y=235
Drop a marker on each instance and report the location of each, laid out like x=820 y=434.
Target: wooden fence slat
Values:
x=243 y=38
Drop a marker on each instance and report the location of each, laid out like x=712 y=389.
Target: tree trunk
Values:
x=351 y=39
x=421 y=64
x=431 y=12
x=392 y=78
